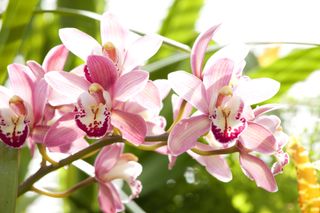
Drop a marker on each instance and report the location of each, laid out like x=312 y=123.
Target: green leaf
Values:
x=291 y=69
x=9 y=170
x=15 y=21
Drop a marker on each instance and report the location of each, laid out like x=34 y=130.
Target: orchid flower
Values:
x=98 y=97
x=269 y=139
x=30 y=115
x=124 y=48
x=223 y=105
x=112 y=164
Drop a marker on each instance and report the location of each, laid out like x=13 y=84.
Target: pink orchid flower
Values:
x=216 y=165
x=223 y=105
x=98 y=97
x=112 y=164
x=29 y=110
x=267 y=130
x=126 y=49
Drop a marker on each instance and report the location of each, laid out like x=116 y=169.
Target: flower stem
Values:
x=229 y=150
x=66 y=193
x=179 y=116
x=28 y=183
x=45 y=156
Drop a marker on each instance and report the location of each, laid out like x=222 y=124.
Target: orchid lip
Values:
x=14 y=131
x=226 y=129
x=93 y=123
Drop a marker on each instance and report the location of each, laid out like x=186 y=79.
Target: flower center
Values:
x=110 y=50
x=94 y=111
x=227 y=121
x=14 y=128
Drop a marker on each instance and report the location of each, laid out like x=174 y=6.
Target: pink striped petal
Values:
x=61 y=82
x=36 y=71
x=217 y=76
x=163 y=87
x=132 y=127
x=102 y=70
x=20 y=82
x=64 y=131
x=40 y=94
x=70 y=148
x=267 y=108
x=5 y=95
x=271 y=122
x=107 y=159
x=190 y=88
x=55 y=59
x=113 y=31
x=254 y=91
x=109 y=199
x=257 y=170
x=185 y=134
x=199 y=49
x=79 y=43
x=130 y=84
x=258 y=138
x=217 y=166
x=149 y=97
x=140 y=51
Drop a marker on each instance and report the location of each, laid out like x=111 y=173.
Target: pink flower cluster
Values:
x=109 y=94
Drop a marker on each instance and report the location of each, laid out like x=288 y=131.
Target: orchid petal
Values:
x=199 y=49
x=163 y=87
x=37 y=71
x=271 y=122
x=140 y=51
x=217 y=166
x=70 y=148
x=132 y=127
x=20 y=82
x=258 y=138
x=109 y=199
x=61 y=82
x=130 y=84
x=190 y=88
x=40 y=94
x=107 y=158
x=257 y=170
x=102 y=71
x=5 y=95
x=266 y=108
x=185 y=134
x=257 y=90
x=64 y=131
x=149 y=97
x=79 y=43
x=113 y=31
x=217 y=76
x=55 y=59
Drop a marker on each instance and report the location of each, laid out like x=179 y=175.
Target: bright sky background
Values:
x=244 y=20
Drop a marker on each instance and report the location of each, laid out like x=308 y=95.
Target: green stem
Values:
x=216 y=152
x=66 y=193
x=179 y=116
x=28 y=183
x=45 y=156
x=9 y=172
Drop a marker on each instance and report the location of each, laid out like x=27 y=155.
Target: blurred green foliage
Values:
x=163 y=190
